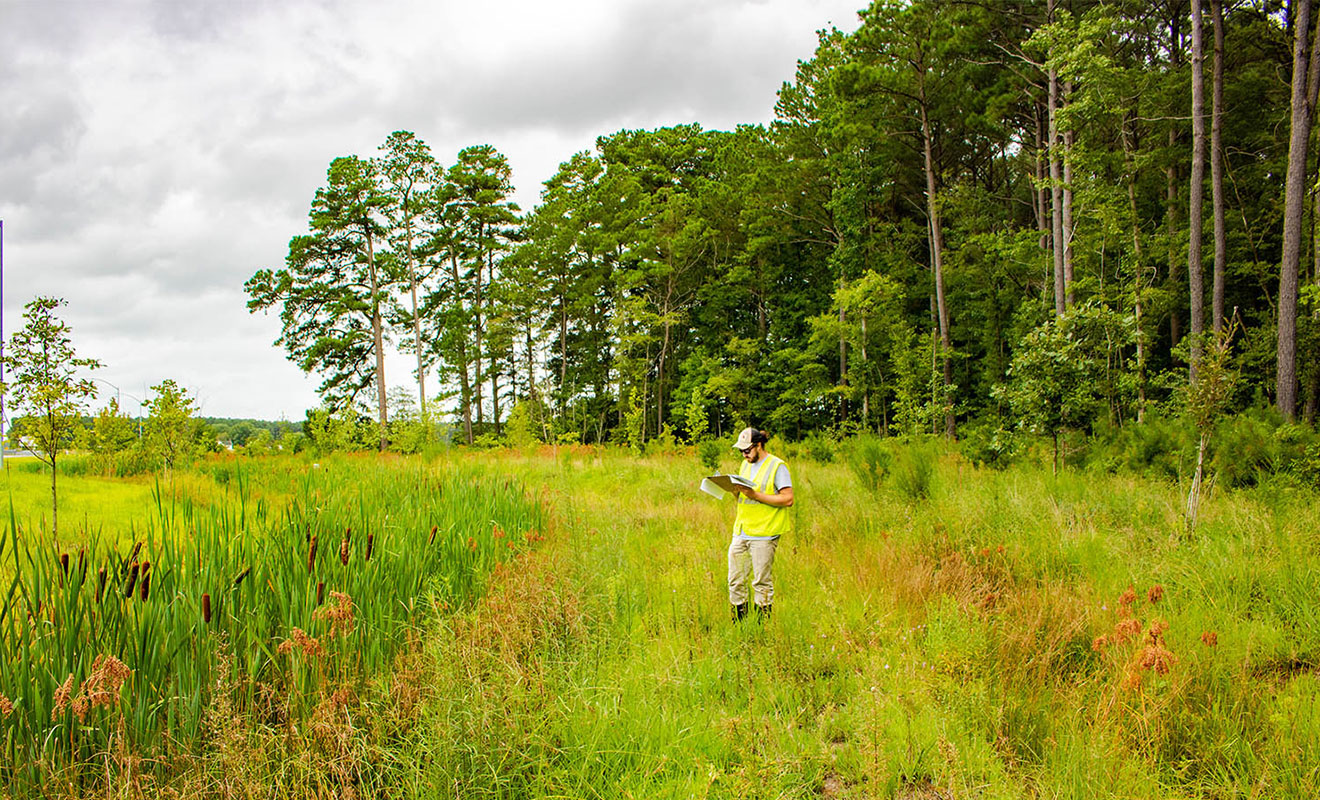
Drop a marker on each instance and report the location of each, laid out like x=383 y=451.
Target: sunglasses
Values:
x=746 y=450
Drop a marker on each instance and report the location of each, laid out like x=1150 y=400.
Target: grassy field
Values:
x=986 y=634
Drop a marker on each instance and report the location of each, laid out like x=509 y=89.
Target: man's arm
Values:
x=781 y=499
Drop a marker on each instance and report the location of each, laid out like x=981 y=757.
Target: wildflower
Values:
x=1158 y=659
x=340 y=614
x=472 y=544
x=1126 y=629
x=61 y=699
x=1156 y=592
x=1099 y=643
x=498 y=532
x=1128 y=598
x=985 y=552
x=1210 y=639
x=101 y=689
x=307 y=645
x=6 y=707
x=1157 y=629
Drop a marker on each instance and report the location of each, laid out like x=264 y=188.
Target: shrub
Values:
x=819 y=447
x=869 y=458
x=709 y=452
x=990 y=444
x=913 y=471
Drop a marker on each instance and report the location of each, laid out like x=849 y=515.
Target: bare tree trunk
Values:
x=1217 y=167
x=417 y=323
x=1067 y=228
x=1171 y=179
x=1056 y=188
x=1304 y=82
x=1196 y=201
x=465 y=386
x=378 y=340
x=937 y=261
x=1129 y=148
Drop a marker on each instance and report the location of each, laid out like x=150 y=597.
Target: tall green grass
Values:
x=965 y=640
x=315 y=593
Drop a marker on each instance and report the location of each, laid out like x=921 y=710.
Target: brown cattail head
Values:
x=343 y=551
x=206 y=609
x=82 y=566
x=145 y=589
x=433 y=530
x=320 y=592
x=132 y=557
x=132 y=579
x=100 y=583
x=311 y=554
x=241 y=576
x=64 y=564
x=371 y=539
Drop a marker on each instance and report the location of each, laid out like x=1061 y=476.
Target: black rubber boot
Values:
x=738 y=612
x=762 y=613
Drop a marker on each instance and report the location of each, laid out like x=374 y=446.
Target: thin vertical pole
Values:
x=2 y=344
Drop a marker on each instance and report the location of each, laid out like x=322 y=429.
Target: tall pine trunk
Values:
x=464 y=383
x=378 y=341
x=937 y=258
x=1056 y=187
x=1217 y=167
x=1304 y=82
x=1196 y=198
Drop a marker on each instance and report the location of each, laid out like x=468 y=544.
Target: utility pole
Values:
x=2 y=344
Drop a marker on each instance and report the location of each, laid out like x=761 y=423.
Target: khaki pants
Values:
x=761 y=554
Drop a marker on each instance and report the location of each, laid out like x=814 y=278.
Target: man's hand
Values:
x=781 y=499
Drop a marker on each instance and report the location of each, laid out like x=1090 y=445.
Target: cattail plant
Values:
x=311 y=554
x=206 y=609
x=132 y=579
x=343 y=547
x=145 y=589
x=371 y=538
x=238 y=580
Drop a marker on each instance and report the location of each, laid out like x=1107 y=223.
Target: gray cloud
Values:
x=158 y=152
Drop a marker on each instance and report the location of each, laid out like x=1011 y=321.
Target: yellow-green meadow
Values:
x=982 y=634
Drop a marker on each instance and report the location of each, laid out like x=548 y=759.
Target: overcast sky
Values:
x=153 y=155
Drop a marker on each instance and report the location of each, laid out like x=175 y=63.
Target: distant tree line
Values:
x=965 y=216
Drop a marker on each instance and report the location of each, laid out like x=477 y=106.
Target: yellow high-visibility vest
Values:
x=759 y=519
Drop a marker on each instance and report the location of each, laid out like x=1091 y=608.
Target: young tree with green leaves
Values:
x=171 y=430
x=44 y=387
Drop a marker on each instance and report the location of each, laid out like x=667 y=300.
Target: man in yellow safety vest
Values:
x=762 y=518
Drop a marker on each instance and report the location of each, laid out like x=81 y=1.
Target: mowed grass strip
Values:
x=1012 y=635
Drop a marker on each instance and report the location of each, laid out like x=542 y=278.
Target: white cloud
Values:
x=156 y=154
